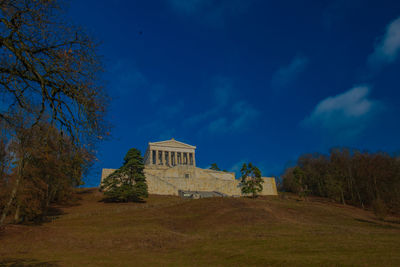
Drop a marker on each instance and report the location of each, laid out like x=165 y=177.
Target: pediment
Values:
x=172 y=143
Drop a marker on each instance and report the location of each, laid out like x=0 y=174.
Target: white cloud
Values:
x=222 y=95
x=171 y=110
x=287 y=74
x=388 y=48
x=227 y=114
x=128 y=79
x=345 y=114
x=245 y=113
x=238 y=119
x=218 y=125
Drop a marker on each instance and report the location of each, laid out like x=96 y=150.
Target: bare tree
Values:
x=49 y=71
x=48 y=65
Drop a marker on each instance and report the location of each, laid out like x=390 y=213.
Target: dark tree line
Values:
x=348 y=176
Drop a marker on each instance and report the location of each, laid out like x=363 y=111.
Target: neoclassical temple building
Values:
x=170 y=167
x=170 y=153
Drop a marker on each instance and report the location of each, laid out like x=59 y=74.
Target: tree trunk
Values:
x=13 y=193
x=359 y=197
x=16 y=215
x=342 y=196
x=10 y=201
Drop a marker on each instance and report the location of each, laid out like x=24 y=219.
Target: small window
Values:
x=187 y=175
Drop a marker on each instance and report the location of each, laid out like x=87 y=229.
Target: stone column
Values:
x=176 y=158
x=194 y=161
x=157 y=158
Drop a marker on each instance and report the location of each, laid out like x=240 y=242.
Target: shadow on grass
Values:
x=25 y=263
x=377 y=224
x=393 y=221
x=108 y=200
x=53 y=213
x=86 y=191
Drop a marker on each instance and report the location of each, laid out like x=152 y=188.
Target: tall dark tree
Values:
x=128 y=183
x=251 y=181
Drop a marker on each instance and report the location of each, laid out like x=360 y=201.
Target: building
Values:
x=170 y=167
x=170 y=153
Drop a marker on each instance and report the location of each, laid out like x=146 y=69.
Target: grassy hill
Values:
x=215 y=232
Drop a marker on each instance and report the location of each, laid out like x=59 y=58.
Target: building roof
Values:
x=172 y=143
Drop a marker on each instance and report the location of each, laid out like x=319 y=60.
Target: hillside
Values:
x=223 y=232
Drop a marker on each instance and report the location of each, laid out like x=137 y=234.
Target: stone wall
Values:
x=163 y=180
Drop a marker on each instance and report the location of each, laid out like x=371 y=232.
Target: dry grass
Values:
x=215 y=232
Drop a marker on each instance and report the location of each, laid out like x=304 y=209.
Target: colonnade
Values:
x=171 y=158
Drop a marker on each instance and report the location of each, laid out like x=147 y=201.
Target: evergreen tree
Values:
x=251 y=181
x=128 y=183
x=214 y=167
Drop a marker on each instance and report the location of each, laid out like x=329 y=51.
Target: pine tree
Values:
x=128 y=183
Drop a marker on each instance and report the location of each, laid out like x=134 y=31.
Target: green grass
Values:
x=169 y=231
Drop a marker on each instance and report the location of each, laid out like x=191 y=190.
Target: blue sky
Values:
x=247 y=80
